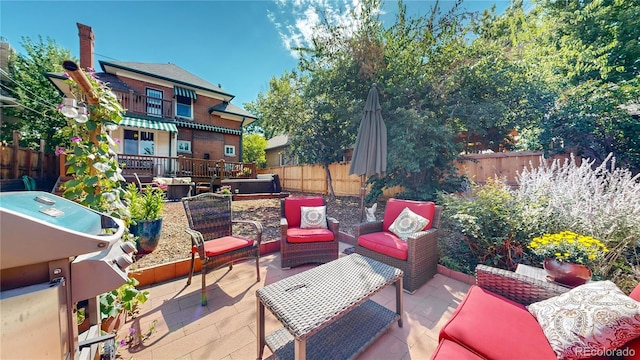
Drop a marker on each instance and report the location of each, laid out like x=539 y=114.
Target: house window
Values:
x=138 y=142
x=183 y=107
x=229 y=150
x=184 y=146
x=154 y=102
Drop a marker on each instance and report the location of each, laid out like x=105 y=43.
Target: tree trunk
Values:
x=329 y=181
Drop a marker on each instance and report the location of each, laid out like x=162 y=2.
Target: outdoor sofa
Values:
x=493 y=322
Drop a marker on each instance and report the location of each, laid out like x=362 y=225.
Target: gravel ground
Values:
x=175 y=244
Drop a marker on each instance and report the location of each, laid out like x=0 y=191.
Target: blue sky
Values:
x=238 y=44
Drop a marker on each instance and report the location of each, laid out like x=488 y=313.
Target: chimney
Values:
x=86 y=46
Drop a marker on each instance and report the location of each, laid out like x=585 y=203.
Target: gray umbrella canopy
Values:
x=370 y=151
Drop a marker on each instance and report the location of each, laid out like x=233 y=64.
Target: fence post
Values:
x=41 y=159
x=16 y=149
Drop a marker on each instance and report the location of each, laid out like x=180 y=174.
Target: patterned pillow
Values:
x=589 y=320
x=313 y=217
x=407 y=223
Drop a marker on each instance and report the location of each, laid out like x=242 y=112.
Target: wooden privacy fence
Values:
x=16 y=161
x=477 y=167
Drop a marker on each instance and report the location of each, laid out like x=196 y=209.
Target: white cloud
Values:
x=297 y=20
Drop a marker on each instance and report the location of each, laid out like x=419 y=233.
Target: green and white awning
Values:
x=148 y=124
x=177 y=90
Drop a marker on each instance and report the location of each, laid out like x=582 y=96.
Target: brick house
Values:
x=169 y=111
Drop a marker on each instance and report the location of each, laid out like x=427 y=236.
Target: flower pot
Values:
x=569 y=274
x=113 y=324
x=147 y=234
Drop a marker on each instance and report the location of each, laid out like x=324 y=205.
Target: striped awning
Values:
x=148 y=124
x=198 y=126
x=177 y=90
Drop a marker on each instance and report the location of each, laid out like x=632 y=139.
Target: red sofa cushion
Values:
x=496 y=328
x=224 y=245
x=292 y=211
x=385 y=243
x=298 y=235
x=635 y=293
x=450 y=350
x=394 y=207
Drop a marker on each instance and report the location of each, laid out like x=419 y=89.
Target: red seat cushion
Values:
x=496 y=328
x=385 y=243
x=224 y=245
x=292 y=206
x=394 y=207
x=448 y=349
x=298 y=235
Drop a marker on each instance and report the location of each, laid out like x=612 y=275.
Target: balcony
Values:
x=139 y=104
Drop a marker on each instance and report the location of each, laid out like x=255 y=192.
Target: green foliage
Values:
x=253 y=149
x=125 y=298
x=147 y=204
x=487 y=220
x=593 y=120
x=97 y=175
x=37 y=118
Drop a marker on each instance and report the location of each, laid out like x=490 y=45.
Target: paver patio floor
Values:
x=226 y=327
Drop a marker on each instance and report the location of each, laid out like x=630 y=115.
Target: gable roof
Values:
x=229 y=108
x=277 y=141
x=168 y=72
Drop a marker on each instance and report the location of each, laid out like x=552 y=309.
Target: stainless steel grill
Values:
x=54 y=253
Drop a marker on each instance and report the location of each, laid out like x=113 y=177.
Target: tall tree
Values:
x=253 y=149
x=38 y=97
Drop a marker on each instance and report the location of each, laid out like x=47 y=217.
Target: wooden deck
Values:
x=258 y=196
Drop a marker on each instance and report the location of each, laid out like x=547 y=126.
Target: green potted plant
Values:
x=567 y=256
x=145 y=208
x=116 y=305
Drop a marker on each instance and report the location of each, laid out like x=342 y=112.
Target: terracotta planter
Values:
x=567 y=273
x=113 y=324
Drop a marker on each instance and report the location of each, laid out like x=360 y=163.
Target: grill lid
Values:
x=37 y=227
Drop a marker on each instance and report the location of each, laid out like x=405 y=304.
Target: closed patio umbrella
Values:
x=370 y=151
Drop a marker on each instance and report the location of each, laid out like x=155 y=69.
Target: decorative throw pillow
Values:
x=589 y=320
x=313 y=217
x=407 y=223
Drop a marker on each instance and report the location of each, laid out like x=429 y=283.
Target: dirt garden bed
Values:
x=175 y=244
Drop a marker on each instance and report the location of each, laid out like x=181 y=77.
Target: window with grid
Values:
x=154 y=102
x=184 y=107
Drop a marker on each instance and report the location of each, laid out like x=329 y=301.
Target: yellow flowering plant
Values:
x=567 y=246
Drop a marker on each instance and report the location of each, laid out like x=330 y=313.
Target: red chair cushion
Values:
x=292 y=211
x=298 y=235
x=496 y=328
x=394 y=207
x=448 y=349
x=224 y=245
x=631 y=350
x=635 y=293
x=385 y=243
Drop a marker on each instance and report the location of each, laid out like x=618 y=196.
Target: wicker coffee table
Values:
x=326 y=312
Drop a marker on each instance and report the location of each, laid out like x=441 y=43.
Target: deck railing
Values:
x=197 y=169
x=145 y=105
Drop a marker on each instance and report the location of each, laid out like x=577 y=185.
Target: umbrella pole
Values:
x=363 y=190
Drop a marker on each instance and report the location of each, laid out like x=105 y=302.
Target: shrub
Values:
x=599 y=201
x=496 y=223
x=486 y=221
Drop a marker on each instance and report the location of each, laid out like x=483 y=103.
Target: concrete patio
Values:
x=226 y=327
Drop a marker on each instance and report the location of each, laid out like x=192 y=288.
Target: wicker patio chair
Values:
x=422 y=247
x=302 y=246
x=211 y=231
x=517 y=287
